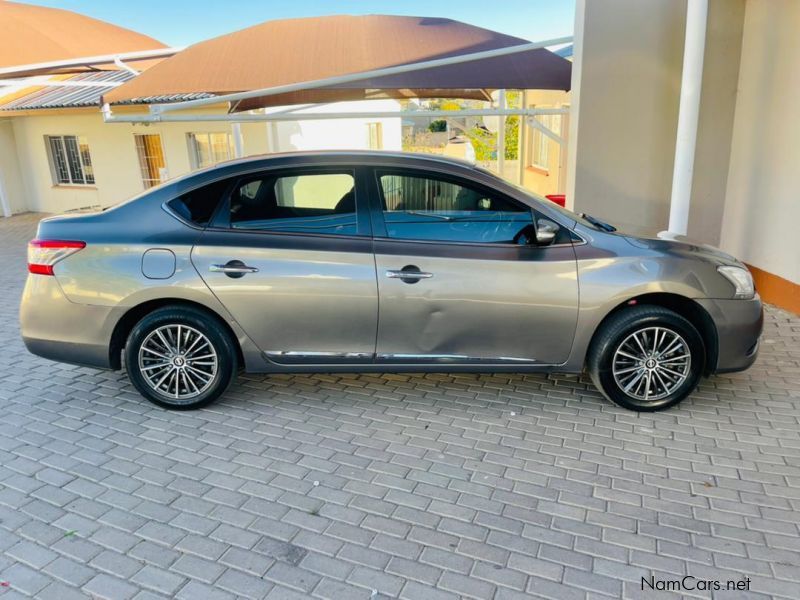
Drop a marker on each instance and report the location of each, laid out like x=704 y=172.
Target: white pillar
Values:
x=691 y=83
x=238 y=141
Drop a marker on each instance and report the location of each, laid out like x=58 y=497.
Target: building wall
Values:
x=715 y=126
x=114 y=158
x=12 y=188
x=762 y=211
x=626 y=84
x=339 y=134
x=550 y=180
x=626 y=80
x=116 y=164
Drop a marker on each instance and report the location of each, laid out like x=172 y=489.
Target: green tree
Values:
x=437 y=126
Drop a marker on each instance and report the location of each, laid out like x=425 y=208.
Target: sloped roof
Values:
x=61 y=96
x=35 y=34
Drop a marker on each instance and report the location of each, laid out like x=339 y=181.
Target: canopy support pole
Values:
x=522 y=140
x=501 y=134
x=238 y=140
x=688 y=114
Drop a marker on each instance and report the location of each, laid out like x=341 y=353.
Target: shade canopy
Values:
x=35 y=34
x=290 y=51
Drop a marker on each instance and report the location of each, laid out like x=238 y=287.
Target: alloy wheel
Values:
x=651 y=363
x=178 y=361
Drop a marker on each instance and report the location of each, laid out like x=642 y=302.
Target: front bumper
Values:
x=55 y=328
x=739 y=324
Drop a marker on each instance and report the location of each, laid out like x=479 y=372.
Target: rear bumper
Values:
x=55 y=328
x=739 y=324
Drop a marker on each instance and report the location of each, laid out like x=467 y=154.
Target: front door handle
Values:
x=233 y=268
x=408 y=274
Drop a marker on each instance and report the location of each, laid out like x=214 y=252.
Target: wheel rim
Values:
x=178 y=362
x=651 y=363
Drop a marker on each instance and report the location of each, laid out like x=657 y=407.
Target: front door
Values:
x=290 y=257
x=455 y=287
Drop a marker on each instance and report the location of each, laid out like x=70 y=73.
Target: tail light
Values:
x=44 y=254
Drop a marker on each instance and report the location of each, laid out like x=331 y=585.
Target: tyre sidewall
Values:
x=603 y=373
x=208 y=326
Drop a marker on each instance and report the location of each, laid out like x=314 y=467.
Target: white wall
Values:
x=625 y=96
x=113 y=151
x=12 y=190
x=340 y=134
x=762 y=212
x=115 y=162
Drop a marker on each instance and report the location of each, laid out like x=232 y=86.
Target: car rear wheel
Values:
x=180 y=358
x=646 y=358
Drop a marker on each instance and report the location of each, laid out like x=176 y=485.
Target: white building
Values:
x=57 y=154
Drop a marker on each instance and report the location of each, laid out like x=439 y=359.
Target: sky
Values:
x=184 y=22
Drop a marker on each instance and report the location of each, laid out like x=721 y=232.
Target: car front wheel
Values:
x=646 y=358
x=180 y=358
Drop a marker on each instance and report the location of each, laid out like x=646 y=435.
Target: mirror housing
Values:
x=546 y=232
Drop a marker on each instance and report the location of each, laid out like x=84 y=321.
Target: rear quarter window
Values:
x=199 y=205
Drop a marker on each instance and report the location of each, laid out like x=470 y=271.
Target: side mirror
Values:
x=545 y=232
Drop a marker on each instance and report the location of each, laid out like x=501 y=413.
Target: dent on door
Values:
x=520 y=308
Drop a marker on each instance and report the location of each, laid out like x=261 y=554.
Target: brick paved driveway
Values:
x=409 y=486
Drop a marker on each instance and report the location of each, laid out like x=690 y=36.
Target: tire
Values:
x=619 y=354
x=191 y=379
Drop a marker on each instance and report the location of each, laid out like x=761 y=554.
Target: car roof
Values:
x=355 y=155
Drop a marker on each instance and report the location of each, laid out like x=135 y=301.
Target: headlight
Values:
x=741 y=279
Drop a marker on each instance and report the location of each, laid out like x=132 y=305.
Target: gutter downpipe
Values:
x=688 y=114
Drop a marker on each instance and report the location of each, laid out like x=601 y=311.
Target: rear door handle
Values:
x=233 y=268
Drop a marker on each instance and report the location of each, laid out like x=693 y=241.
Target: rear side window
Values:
x=198 y=206
x=304 y=203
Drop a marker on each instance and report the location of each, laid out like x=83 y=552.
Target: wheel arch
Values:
x=133 y=315
x=685 y=307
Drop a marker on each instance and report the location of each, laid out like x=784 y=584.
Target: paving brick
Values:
x=426 y=486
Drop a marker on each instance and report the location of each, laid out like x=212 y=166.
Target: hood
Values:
x=666 y=241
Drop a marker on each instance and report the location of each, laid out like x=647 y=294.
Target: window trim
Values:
x=193 y=150
x=377 y=202
x=221 y=219
x=54 y=168
x=137 y=134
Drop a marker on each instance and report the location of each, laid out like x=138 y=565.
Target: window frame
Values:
x=194 y=158
x=221 y=219
x=377 y=202
x=54 y=169
x=159 y=181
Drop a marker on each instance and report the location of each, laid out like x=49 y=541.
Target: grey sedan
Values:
x=348 y=261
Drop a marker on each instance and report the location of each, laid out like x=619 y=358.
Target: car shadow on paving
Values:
x=409 y=486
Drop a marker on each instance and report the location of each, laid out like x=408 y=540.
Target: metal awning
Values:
x=37 y=34
x=284 y=52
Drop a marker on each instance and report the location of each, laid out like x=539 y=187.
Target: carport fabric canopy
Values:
x=36 y=34
x=277 y=53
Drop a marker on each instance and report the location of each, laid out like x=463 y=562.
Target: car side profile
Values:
x=374 y=261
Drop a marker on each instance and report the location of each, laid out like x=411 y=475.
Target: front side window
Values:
x=152 y=165
x=70 y=160
x=307 y=203
x=210 y=148
x=421 y=207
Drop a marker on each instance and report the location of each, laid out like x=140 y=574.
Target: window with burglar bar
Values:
x=151 y=158
x=210 y=148
x=70 y=160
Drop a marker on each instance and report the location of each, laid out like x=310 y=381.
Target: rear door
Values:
x=455 y=286
x=289 y=254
